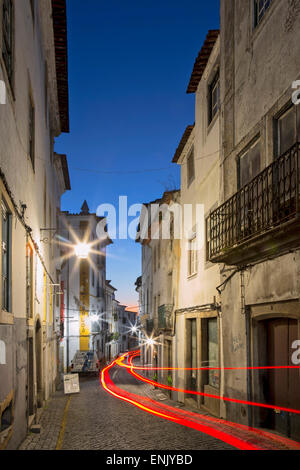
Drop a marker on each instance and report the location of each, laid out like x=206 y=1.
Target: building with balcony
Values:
x=254 y=231
x=34 y=71
x=160 y=252
x=198 y=325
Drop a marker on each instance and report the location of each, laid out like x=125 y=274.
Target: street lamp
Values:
x=82 y=250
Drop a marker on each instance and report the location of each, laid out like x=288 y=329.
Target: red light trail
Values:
x=204 y=424
x=192 y=392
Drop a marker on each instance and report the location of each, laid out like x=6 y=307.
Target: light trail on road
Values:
x=174 y=415
x=205 y=424
x=131 y=369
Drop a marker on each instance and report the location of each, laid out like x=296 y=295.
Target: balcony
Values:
x=261 y=219
x=165 y=317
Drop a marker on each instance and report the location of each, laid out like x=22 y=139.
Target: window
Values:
x=158 y=255
x=213 y=351
x=32 y=8
x=192 y=257
x=6 y=257
x=214 y=98
x=154 y=259
x=249 y=164
x=208 y=237
x=192 y=354
x=7 y=37
x=31 y=125
x=260 y=8
x=29 y=281
x=190 y=167
x=287 y=130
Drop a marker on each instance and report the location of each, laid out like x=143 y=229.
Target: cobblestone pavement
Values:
x=50 y=422
x=97 y=420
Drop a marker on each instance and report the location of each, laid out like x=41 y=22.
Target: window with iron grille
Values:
x=214 y=97
x=7 y=37
x=190 y=167
x=260 y=8
x=6 y=257
x=31 y=131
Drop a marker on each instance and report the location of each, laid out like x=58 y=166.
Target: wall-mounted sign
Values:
x=71 y=383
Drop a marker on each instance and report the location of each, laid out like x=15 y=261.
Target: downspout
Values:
x=222 y=378
x=249 y=371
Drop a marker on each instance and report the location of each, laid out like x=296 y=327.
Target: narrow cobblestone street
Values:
x=98 y=421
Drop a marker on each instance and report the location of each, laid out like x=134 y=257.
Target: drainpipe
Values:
x=68 y=311
x=249 y=372
x=222 y=377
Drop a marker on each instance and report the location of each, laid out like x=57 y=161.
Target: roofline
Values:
x=182 y=143
x=202 y=59
x=59 y=16
x=65 y=170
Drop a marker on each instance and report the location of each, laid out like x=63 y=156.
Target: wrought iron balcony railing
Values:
x=261 y=207
x=164 y=317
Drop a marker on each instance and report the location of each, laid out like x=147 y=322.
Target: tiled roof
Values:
x=59 y=14
x=202 y=59
x=182 y=143
x=65 y=169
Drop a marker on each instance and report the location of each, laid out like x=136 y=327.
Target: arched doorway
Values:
x=38 y=362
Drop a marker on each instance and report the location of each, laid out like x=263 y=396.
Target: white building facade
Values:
x=33 y=178
x=84 y=284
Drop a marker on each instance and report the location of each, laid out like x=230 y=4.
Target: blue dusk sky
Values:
x=129 y=66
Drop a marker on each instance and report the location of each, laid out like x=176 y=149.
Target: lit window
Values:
x=214 y=98
x=7 y=37
x=192 y=257
x=6 y=258
x=260 y=8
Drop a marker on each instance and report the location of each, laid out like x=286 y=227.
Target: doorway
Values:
x=280 y=387
x=30 y=378
x=38 y=361
x=191 y=356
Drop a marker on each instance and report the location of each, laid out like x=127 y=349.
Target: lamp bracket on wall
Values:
x=50 y=237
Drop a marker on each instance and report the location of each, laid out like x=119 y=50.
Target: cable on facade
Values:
x=28 y=229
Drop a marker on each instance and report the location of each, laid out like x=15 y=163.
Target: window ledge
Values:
x=192 y=276
x=6 y=318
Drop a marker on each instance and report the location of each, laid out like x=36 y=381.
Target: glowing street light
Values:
x=94 y=318
x=82 y=250
x=134 y=329
x=150 y=342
